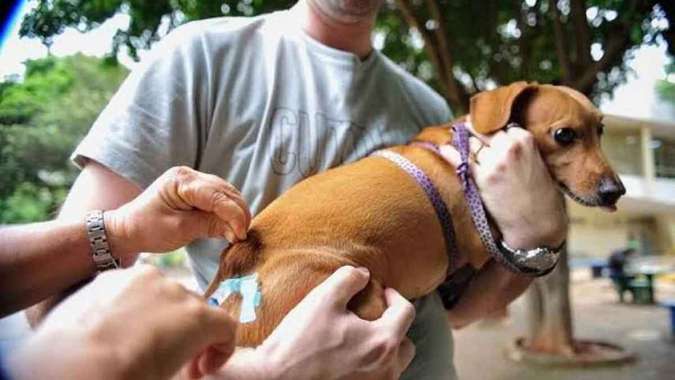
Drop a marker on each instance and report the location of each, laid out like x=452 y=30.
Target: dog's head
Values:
x=567 y=129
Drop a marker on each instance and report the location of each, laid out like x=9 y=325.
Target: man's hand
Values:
x=321 y=339
x=180 y=206
x=127 y=324
x=516 y=188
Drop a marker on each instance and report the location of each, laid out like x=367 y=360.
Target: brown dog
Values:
x=373 y=214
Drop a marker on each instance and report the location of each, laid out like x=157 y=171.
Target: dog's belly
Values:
x=286 y=278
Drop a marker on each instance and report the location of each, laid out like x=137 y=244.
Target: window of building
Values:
x=622 y=148
x=664 y=157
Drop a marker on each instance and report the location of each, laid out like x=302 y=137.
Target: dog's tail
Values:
x=237 y=259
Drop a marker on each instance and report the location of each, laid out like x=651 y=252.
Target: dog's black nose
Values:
x=610 y=190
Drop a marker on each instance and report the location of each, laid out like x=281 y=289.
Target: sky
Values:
x=97 y=43
x=648 y=64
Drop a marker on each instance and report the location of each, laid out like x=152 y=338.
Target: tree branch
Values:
x=413 y=22
x=582 y=32
x=617 y=43
x=560 y=43
x=523 y=40
x=457 y=92
x=669 y=34
x=445 y=75
x=616 y=46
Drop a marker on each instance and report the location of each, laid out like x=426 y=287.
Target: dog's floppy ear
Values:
x=491 y=110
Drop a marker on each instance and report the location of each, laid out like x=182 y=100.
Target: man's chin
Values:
x=349 y=11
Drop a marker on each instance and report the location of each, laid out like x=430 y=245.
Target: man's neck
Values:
x=353 y=37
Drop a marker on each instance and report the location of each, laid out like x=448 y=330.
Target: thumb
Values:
x=342 y=285
x=209 y=360
x=219 y=341
x=450 y=154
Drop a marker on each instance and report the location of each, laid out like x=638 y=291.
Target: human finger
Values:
x=499 y=140
x=228 y=207
x=230 y=190
x=521 y=135
x=399 y=314
x=406 y=354
x=217 y=342
x=213 y=358
x=233 y=214
x=210 y=193
x=342 y=285
x=211 y=225
x=450 y=154
x=485 y=139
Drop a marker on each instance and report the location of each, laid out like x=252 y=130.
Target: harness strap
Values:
x=432 y=194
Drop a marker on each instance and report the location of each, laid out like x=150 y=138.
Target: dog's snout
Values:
x=610 y=190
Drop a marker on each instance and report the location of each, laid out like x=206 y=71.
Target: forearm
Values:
x=95 y=188
x=493 y=288
x=40 y=260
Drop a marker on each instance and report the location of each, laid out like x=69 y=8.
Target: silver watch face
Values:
x=539 y=259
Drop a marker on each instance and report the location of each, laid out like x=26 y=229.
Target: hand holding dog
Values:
x=180 y=206
x=127 y=324
x=516 y=188
x=321 y=339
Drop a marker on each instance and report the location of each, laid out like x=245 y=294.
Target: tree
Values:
x=666 y=88
x=459 y=48
x=41 y=119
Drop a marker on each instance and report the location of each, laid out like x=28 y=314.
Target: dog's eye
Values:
x=565 y=136
x=601 y=129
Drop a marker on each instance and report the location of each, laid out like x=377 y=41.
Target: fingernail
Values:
x=230 y=237
x=363 y=270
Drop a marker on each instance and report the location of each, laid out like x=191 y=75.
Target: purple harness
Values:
x=460 y=140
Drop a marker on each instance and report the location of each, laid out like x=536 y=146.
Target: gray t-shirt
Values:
x=259 y=103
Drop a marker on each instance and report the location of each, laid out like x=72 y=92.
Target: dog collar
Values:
x=432 y=194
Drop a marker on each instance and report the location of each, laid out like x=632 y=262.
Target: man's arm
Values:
x=493 y=288
x=40 y=259
x=180 y=206
x=521 y=196
x=95 y=188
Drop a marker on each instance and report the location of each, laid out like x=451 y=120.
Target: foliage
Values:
x=41 y=120
x=459 y=47
x=150 y=19
x=666 y=88
x=578 y=43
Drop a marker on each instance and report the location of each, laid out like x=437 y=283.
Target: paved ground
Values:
x=644 y=330
x=480 y=348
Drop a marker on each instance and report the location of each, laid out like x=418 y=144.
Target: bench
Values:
x=640 y=287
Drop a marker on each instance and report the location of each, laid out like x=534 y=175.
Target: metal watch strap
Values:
x=537 y=262
x=98 y=240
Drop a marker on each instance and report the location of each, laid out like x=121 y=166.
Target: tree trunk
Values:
x=549 y=313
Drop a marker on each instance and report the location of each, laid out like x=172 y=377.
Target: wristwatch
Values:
x=98 y=240
x=537 y=261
